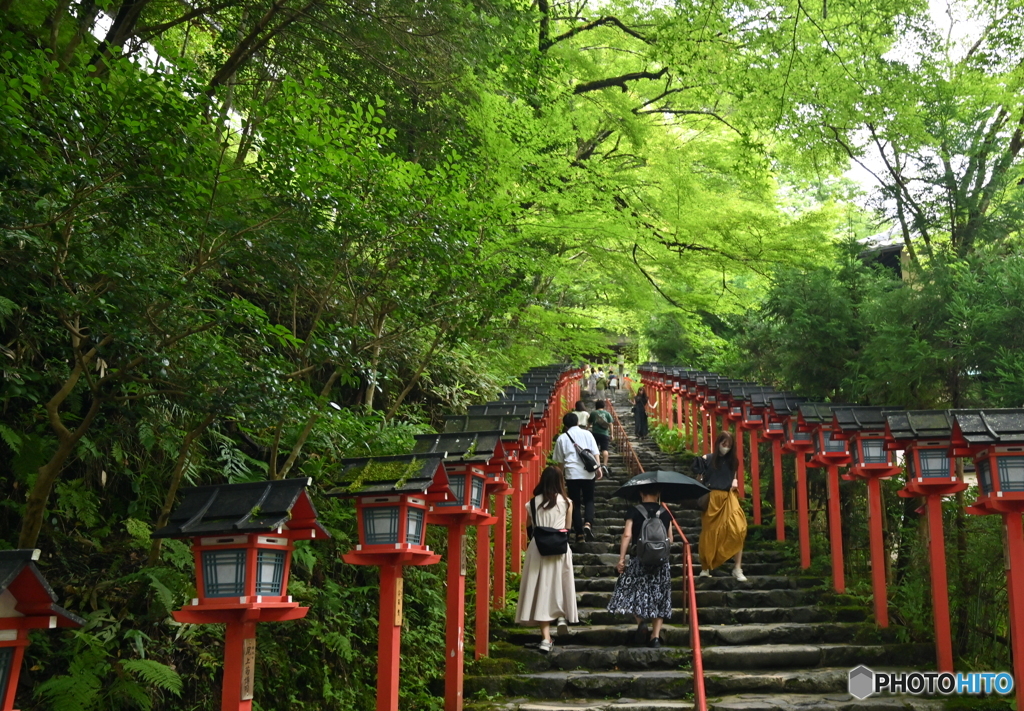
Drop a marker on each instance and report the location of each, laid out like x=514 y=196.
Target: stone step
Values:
x=731 y=615
x=661 y=684
x=569 y=654
x=678 y=635
x=822 y=702
x=786 y=597
x=822 y=680
x=608 y=570
x=721 y=579
x=808 y=656
x=583 y=705
x=749 y=557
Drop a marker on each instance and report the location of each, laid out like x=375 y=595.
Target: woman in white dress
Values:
x=547 y=590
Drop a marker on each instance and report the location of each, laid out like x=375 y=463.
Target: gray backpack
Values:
x=652 y=546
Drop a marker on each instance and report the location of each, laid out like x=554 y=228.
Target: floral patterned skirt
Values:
x=642 y=591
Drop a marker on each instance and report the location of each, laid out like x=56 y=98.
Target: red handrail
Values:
x=634 y=467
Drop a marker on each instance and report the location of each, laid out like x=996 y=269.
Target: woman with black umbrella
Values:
x=642 y=591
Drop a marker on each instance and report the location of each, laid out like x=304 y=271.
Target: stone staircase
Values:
x=769 y=644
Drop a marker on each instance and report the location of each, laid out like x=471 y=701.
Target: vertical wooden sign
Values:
x=463 y=560
x=248 y=668
x=399 y=591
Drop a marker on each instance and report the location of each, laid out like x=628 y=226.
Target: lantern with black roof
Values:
x=773 y=430
x=392 y=497
x=730 y=406
x=486 y=450
x=678 y=390
x=709 y=405
x=752 y=421
x=924 y=436
x=242 y=539
x=864 y=430
x=467 y=481
x=799 y=443
x=27 y=602
x=830 y=453
x=995 y=439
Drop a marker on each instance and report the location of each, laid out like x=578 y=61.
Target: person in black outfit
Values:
x=640 y=412
x=721 y=536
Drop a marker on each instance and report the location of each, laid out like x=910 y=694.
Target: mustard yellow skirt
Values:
x=723 y=529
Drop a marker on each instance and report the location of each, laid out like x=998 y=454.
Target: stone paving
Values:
x=767 y=644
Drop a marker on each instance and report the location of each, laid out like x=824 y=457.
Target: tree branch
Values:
x=619 y=81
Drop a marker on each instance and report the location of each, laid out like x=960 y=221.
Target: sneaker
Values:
x=563 y=627
x=738 y=574
x=588 y=533
x=641 y=634
x=704 y=574
x=545 y=646
x=655 y=642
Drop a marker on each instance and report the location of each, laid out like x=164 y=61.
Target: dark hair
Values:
x=641 y=391
x=730 y=458
x=551 y=484
x=569 y=419
x=580 y=407
x=599 y=404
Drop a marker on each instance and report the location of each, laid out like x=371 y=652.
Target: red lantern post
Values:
x=27 y=602
x=829 y=453
x=242 y=538
x=995 y=438
x=864 y=430
x=775 y=432
x=785 y=409
x=924 y=435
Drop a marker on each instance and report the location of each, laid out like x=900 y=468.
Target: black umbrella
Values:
x=675 y=487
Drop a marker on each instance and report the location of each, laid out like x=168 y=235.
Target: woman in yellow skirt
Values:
x=723 y=524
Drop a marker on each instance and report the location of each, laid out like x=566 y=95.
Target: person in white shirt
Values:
x=578 y=480
x=582 y=415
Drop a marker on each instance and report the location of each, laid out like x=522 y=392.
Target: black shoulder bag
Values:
x=587 y=458
x=550 y=541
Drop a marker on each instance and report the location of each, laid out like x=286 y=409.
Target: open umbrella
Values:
x=675 y=487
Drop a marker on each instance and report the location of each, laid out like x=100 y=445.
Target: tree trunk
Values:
x=310 y=423
x=172 y=489
x=416 y=376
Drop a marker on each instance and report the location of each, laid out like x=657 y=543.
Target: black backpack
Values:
x=652 y=545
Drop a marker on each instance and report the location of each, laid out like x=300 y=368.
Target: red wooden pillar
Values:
x=877 y=552
x=483 y=591
x=679 y=416
x=803 y=515
x=740 y=472
x=456 y=619
x=500 y=552
x=780 y=509
x=755 y=477
x=940 y=584
x=1015 y=593
x=389 y=637
x=835 y=529
x=696 y=429
x=519 y=474
x=705 y=444
x=238 y=635
x=713 y=427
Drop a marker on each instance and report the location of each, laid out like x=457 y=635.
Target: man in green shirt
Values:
x=601 y=428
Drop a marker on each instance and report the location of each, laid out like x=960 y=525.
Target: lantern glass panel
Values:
x=380 y=525
x=1011 y=473
x=269 y=572
x=777 y=426
x=934 y=462
x=832 y=444
x=224 y=572
x=6 y=658
x=751 y=417
x=458 y=486
x=984 y=475
x=736 y=411
x=874 y=451
x=414 y=526
x=477 y=494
